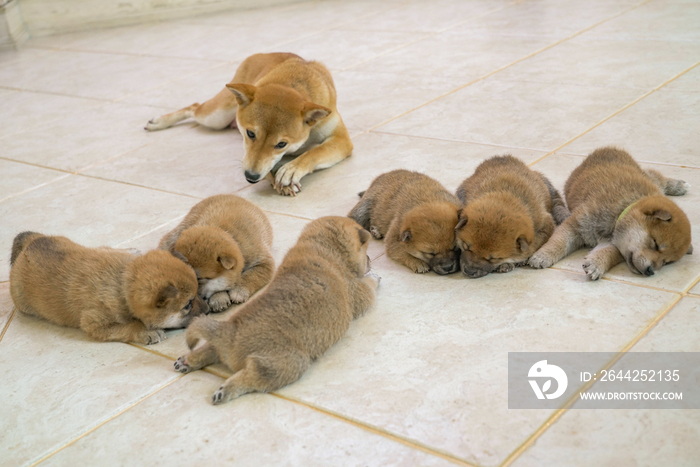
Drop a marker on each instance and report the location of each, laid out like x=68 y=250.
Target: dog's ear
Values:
x=166 y=294
x=364 y=236
x=690 y=250
x=462 y=221
x=312 y=113
x=226 y=261
x=244 y=92
x=660 y=214
x=406 y=236
x=523 y=243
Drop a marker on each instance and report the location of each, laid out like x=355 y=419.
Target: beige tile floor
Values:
x=432 y=86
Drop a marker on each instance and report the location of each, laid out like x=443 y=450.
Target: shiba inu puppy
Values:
x=621 y=210
x=508 y=215
x=417 y=215
x=227 y=241
x=282 y=105
x=322 y=284
x=110 y=294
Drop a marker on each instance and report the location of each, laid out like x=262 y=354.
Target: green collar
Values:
x=622 y=214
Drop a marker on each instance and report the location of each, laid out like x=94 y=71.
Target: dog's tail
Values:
x=20 y=243
x=207 y=329
x=559 y=210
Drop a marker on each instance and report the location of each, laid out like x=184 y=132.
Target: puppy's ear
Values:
x=659 y=214
x=244 y=92
x=523 y=244
x=166 y=294
x=462 y=222
x=178 y=255
x=364 y=236
x=690 y=250
x=406 y=236
x=226 y=261
x=312 y=113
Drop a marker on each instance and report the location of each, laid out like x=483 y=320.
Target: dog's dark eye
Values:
x=188 y=307
x=250 y=134
x=281 y=144
x=656 y=245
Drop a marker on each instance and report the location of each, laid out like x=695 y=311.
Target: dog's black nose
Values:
x=649 y=271
x=251 y=177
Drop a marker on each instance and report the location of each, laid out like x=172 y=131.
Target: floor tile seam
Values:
x=690 y=287
x=617 y=112
x=122 y=54
x=98 y=100
x=35 y=187
x=109 y=418
x=586 y=386
x=431 y=34
x=491 y=73
x=456 y=140
x=108 y=160
x=564 y=83
x=9 y=320
x=136 y=185
x=379 y=431
x=154 y=229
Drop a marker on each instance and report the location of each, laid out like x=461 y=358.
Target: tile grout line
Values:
x=567 y=405
x=617 y=112
x=100 y=424
x=9 y=320
x=532 y=54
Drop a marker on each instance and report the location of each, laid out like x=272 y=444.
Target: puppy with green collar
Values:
x=620 y=209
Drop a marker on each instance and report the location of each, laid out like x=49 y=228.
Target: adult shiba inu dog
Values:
x=509 y=212
x=110 y=294
x=322 y=284
x=227 y=241
x=417 y=215
x=621 y=210
x=282 y=105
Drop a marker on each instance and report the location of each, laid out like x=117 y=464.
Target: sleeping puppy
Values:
x=508 y=215
x=322 y=284
x=227 y=241
x=417 y=215
x=621 y=210
x=110 y=294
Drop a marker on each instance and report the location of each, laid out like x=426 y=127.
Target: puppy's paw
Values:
x=153 y=337
x=219 y=301
x=418 y=266
x=288 y=178
x=239 y=294
x=134 y=251
x=540 y=260
x=676 y=187
x=156 y=123
x=221 y=396
x=374 y=276
x=505 y=267
x=181 y=365
x=375 y=232
x=593 y=270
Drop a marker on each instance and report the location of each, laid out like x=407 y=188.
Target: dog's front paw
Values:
x=219 y=301
x=221 y=396
x=418 y=266
x=288 y=178
x=156 y=123
x=374 y=230
x=676 y=187
x=374 y=276
x=540 y=260
x=239 y=294
x=593 y=270
x=153 y=337
x=181 y=365
x=505 y=267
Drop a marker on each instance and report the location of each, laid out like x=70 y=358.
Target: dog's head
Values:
x=274 y=120
x=653 y=232
x=214 y=255
x=428 y=232
x=489 y=234
x=161 y=291
x=345 y=237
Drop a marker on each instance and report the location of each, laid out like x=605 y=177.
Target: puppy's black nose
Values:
x=649 y=271
x=251 y=177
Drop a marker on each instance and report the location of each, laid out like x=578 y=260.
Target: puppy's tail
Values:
x=559 y=210
x=207 y=329
x=21 y=241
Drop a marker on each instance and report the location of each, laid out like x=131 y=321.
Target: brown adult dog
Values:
x=227 y=241
x=416 y=214
x=510 y=211
x=110 y=294
x=282 y=105
x=320 y=287
x=621 y=210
